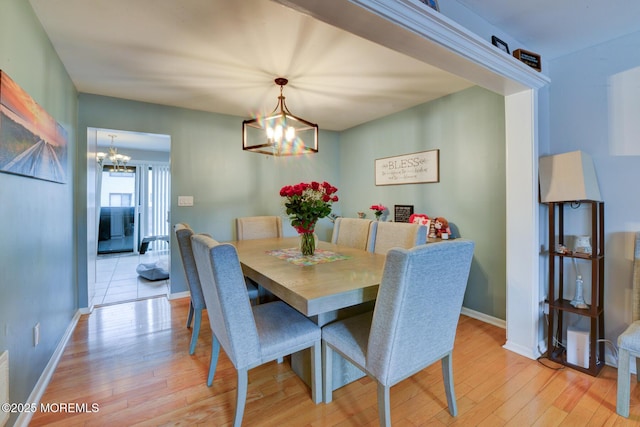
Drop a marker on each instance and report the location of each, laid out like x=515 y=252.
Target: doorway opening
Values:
x=132 y=218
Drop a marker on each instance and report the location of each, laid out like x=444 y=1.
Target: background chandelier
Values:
x=119 y=161
x=281 y=133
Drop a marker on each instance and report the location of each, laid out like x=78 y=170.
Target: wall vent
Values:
x=4 y=385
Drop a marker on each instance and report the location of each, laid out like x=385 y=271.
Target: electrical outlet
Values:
x=36 y=334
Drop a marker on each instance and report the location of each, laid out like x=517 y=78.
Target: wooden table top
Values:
x=312 y=289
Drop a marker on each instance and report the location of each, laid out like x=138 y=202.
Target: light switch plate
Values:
x=185 y=200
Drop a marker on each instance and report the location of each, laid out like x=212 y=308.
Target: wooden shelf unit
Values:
x=558 y=306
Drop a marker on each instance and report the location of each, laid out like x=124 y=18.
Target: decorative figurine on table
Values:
x=441 y=226
x=421 y=219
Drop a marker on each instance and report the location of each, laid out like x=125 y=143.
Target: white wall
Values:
x=589 y=95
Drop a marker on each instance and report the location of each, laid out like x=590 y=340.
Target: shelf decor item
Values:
x=531 y=59
x=499 y=44
x=378 y=210
x=305 y=204
x=433 y=4
x=578 y=299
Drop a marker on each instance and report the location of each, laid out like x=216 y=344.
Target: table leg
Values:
x=344 y=372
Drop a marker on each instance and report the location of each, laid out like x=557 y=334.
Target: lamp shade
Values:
x=568 y=177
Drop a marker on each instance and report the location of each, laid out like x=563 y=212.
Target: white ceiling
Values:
x=222 y=55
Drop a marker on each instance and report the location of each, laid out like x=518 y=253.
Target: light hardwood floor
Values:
x=132 y=361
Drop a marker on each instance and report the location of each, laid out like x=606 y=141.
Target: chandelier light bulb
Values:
x=291 y=133
x=278 y=133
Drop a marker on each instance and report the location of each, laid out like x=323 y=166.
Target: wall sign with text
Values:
x=402 y=213
x=415 y=168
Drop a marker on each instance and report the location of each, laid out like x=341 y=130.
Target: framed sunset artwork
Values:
x=32 y=143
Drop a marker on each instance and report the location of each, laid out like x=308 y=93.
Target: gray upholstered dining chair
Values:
x=249 y=335
x=386 y=235
x=258 y=227
x=352 y=232
x=413 y=324
x=197 y=304
x=629 y=341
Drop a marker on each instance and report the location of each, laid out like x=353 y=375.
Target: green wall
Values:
x=207 y=162
x=469 y=130
x=37 y=245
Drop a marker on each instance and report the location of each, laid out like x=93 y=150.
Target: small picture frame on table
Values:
x=433 y=4
x=499 y=44
x=402 y=213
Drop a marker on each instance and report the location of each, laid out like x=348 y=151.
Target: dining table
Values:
x=334 y=283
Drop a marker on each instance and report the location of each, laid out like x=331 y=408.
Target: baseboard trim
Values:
x=178 y=295
x=47 y=373
x=484 y=318
x=521 y=350
x=86 y=310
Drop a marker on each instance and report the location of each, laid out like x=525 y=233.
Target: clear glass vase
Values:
x=307 y=243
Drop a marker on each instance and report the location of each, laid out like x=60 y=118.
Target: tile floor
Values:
x=117 y=279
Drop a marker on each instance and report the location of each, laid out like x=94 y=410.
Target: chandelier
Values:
x=119 y=161
x=281 y=133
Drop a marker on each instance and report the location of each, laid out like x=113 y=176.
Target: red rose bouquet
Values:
x=305 y=203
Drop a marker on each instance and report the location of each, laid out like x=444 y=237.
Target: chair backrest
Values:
x=183 y=234
x=387 y=235
x=258 y=227
x=352 y=232
x=417 y=308
x=230 y=315
x=636 y=278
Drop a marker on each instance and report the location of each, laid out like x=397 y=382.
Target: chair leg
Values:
x=190 y=316
x=384 y=405
x=215 y=350
x=624 y=383
x=327 y=371
x=316 y=373
x=447 y=376
x=241 y=396
x=196 y=331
